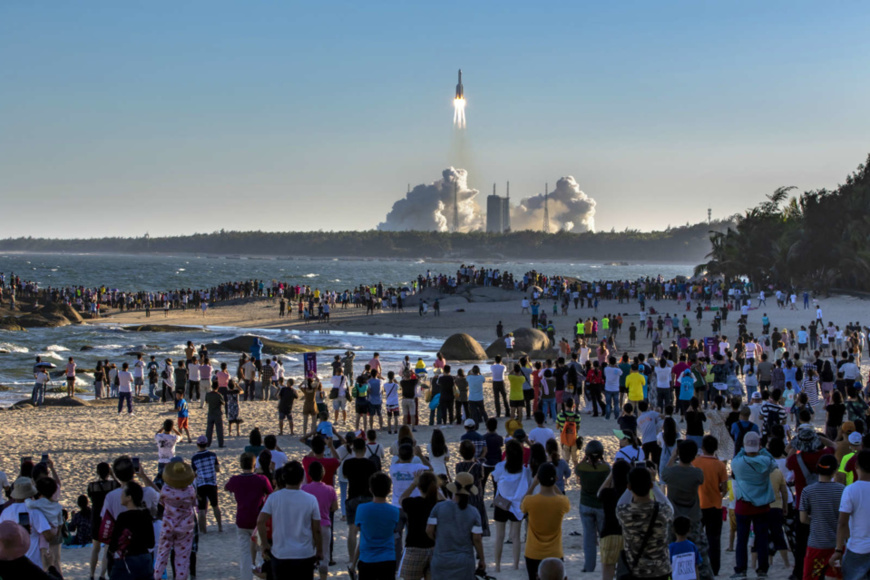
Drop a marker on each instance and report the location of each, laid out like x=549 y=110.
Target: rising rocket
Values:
x=460 y=93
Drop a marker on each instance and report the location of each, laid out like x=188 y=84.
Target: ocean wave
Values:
x=311 y=275
x=56 y=348
x=53 y=355
x=13 y=347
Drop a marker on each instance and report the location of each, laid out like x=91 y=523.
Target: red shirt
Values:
x=330 y=466
x=810 y=460
x=527 y=455
x=678 y=371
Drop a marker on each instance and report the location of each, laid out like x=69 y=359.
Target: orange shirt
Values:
x=714 y=474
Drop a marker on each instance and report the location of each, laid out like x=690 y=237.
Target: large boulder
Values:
x=160 y=328
x=54 y=402
x=10 y=323
x=462 y=347
x=526 y=340
x=64 y=310
x=243 y=344
x=40 y=320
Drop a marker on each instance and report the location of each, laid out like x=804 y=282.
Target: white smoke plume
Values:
x=570 y=210
x=430 y=207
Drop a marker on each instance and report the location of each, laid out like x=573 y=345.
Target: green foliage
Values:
x=819 y=240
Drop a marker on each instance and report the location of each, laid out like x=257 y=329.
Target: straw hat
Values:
x=23 y=488
x=178 y=474
x=463 y=484
x=14 y=541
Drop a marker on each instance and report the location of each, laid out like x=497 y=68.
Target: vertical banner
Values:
x=711 y=346
x=309 y=362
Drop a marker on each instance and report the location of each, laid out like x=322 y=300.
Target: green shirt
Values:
x=591 y=479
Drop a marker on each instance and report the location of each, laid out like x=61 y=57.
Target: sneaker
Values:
x=737 y=576
x=760 y=574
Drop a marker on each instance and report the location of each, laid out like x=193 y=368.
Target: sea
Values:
x=107 y=341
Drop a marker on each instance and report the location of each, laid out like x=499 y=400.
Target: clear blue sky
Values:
x=182 y=117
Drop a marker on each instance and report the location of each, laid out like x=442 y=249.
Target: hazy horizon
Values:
x=118 y=119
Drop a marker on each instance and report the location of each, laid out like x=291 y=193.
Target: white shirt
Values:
x=723 y=346
x=611 y=379
x=113 y=504
x=856 y=501
x=497 y=372
x=125 y=381
x=38 y=525
x=139 y=369
x=403 y=475
x=541 y=435
x=193 y=372
x=279 y=458
x=292 y=512
x=166 y=443
x=663 y=377
x=391 y=392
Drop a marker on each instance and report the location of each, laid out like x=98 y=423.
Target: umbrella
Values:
x=44 y=365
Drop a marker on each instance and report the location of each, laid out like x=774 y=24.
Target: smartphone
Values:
x=45 y=457
x=135 y=464
x=24 y=519
x=26 y=460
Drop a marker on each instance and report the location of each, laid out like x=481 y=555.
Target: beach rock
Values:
x=462 y=347
x=40 y=320
x=525 y=340
x=86 y=347
x=62 y=310
x=10 y=323
x=159 y=328
x=4 y=388
x=53 y=402
x=243 y=344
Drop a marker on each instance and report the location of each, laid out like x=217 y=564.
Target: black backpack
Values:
x=741 y=433
x=374 y=457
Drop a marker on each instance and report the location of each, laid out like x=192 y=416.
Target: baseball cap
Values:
x=752 y=442
x=756 y=395
x=827 y=465
x=519 y=434
x=470 y=424
x=202 y=440
x=854 y=438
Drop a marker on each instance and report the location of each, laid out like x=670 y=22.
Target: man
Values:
x=97 y=491
x=568 y=425
x=710 y=493
x=279 y=458
x=249 y=375
x=635 y=510
x=648 y=426
x=139 y=374
x=741 y=427
x=846 y=472
x=71 y=377
x=540 y=434
x=498 y=370
x=297 y=543
x=206 y=466
x=772 y=413
x=404 y=471
x=318 y=455
x=286 y=396
x=818 y=510
x=357 y=470
x=375 y=557
x=125 y=389
x=635 y=383
x=408 y=385
x=684 y=480
x=852 y=553
x=476 y=438
x=552 y=569
x=250 y=490
x=153 y=378
x=763 y=372
x=751 y=469
x=215 y=417
x=447 y=383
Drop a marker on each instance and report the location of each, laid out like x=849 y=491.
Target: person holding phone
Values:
x=32 y=521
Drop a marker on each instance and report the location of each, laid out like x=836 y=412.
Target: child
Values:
x=802 y=403
x=685 y=557
x=788 y=397
x=751 y=382
x=46 y=487
x=627 y=421
x=374 y=451
x=183 y=415
x=80 y=523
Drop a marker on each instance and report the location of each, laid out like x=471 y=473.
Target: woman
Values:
x=668 y=439
x=344 y=452
x=591 y=473
x=439 y=364
x=99 y=380
x=545 y=511
x=602 y=353
x=516 y=380
x=513 y=481
x=179 y=500
x=233 y=417
x=310 y=388
x=828 y=378
x=629 y=449
x=611 y=541
x=461 y=383
x=835 y=411
x=563 y=471
x=718 y=417
x=438 y=454
x=417 y=556
x=695 y=419
x=132 y=557
x=266 y=466
x=451 y=525
x=537 y=457
x=469 y=465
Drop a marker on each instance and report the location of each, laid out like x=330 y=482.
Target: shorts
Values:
x=528 y=395
x=559 y=396
x=503 y=516
x=362 y=407
x=374 y=410
x=816 y=564
x=392 y=410
x=339 y=404
x=352 y=504
x=517 y=404
x=206 y=494
x=409 y=407
x=415 y=562
x=183 y=423
x=139 y=381
x=322 y=408
x=611 y=546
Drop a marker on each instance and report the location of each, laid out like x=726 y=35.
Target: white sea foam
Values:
x=56 y=348
x=53 y=355
x=13 y=347
x=311 y=275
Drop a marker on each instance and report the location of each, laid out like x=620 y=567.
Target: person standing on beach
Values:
x=183 y=414
x=139 y=374
x=153 y=376
x=215 y=417
x=42 y=378
x=70 y=377
x=206 y=466
x=125 y=389
x=498 y=389
x=249 y=375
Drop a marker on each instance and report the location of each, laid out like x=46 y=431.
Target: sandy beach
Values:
x=79 y=438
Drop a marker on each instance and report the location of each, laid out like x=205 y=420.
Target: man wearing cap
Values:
x=18 y=512
x=853 y=526
x=751 y=469
x=851 y=464
x=844 y=476
x=818 y=510
x=472 y=435
x=206 y=466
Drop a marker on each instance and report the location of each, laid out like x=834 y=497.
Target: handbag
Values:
x=502 y=503
x=333 y=393
x=107 y=526
x=623 y=570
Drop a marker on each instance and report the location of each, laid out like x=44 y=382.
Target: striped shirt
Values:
x=820 y=501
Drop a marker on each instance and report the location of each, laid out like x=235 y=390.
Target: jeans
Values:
x=302 y=568
x=38 y=395
x=478 y=412
x=664 y=397
x=244 y=552
x=445 y=410
x=549 y=406
x=712 y=520
x=342 y=487
x=460 y=406
x=611 y=399
x=498 y=389
x=855 y=566
x=593 y=522
x=215 y=422
x=152 y=392
x=249 y=390
x=125 y=397
x=593 y=394
x=758 y=523
x=132 y=568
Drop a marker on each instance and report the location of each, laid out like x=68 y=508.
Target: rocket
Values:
x=460 y=93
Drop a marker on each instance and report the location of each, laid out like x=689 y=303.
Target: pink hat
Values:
x=14 y=541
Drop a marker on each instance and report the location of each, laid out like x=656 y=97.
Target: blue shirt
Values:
x=375 y=390
x=475 y=387
x=377 y=522
x=181 y=407
x=684 y=547
x=325 y=428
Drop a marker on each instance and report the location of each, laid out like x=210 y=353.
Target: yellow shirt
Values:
x=850 y=476
x=516 y=390
x=777 y=482
x=545 y=525
x=634 y=382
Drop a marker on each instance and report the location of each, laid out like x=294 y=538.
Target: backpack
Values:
x=741 y=433
x=771 y=419
x=374 y=457
x=569 y=433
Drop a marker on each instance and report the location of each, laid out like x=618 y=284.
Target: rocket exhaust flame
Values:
x=459 y=113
